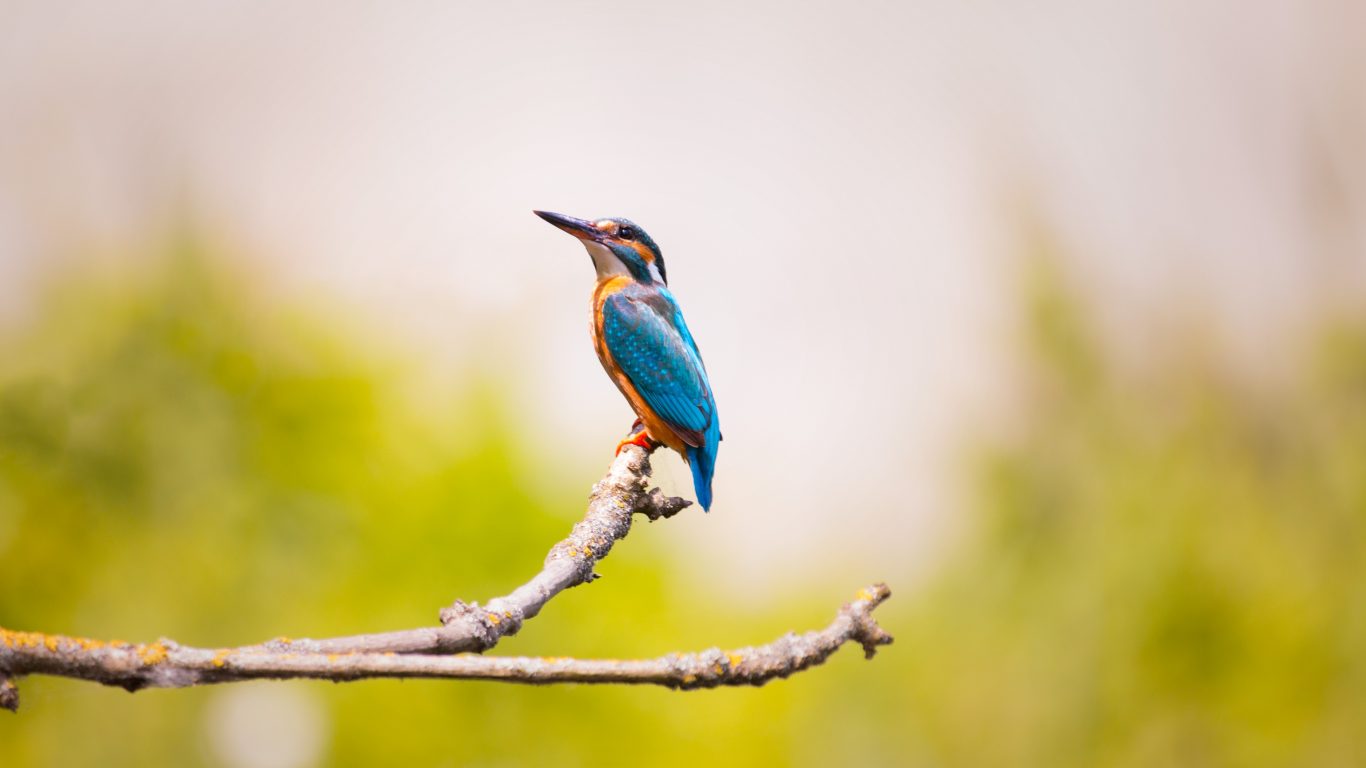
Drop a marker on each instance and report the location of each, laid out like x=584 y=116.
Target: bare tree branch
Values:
x=165 y=664
x=424 y=653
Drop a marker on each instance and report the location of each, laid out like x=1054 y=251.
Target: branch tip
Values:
x=865 y=628
x=655 y=505
x=9 y=694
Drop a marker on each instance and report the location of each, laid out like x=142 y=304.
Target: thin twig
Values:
x=165 y=664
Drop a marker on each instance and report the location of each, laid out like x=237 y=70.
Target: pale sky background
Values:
x=838 y=189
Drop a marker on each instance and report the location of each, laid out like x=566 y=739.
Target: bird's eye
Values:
x=626 y=233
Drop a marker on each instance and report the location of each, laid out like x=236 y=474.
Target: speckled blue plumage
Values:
x=644 y=331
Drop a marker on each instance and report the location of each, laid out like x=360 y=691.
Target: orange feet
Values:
x=638 y=436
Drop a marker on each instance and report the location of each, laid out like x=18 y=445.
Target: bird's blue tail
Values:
x=702 y=461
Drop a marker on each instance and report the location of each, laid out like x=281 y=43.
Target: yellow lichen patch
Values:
x=332 y=658
x=864 y=594
x=718 y=669
x=735 y=659
x=87 y=644
x=689 y=679
x=51 y=642
x=494 y=619
x=220 y=659
x=153 y=653
x=25 y=639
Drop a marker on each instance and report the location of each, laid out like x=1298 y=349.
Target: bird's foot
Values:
x=638 y=436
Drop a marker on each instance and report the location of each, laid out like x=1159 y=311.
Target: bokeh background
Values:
x=1050 y=315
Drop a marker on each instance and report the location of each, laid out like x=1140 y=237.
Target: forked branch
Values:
x=426 y=652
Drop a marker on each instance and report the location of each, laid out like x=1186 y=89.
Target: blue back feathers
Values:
x=647 y=337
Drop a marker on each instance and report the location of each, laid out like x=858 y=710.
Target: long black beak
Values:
x=583 y=230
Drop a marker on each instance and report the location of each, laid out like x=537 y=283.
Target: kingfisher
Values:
x=645 y=346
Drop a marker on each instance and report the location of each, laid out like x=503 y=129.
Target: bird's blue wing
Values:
x=648 y=340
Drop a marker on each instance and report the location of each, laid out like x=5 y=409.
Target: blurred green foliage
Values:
x=1163 y=572
x=1166 y=572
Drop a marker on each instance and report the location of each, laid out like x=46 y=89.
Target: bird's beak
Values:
x=583 y=230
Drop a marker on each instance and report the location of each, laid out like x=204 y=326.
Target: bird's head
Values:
x=618 y=246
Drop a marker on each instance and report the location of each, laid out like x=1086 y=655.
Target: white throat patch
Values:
x=604 y=260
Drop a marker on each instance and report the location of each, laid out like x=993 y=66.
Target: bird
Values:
x=645 y=346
